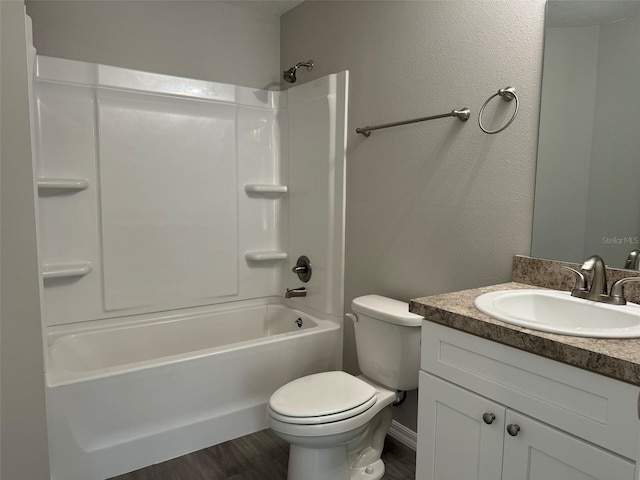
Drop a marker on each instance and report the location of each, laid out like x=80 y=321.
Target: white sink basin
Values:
x=558 y=312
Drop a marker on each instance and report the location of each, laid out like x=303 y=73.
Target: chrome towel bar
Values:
x=462 y=115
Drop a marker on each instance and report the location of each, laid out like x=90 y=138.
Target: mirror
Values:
x=587 y=196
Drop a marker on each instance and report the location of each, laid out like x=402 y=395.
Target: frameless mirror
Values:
x=587 y=197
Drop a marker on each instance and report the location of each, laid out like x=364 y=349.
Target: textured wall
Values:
x=438 y=206
x=208 y=40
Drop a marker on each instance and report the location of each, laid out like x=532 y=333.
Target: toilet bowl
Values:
x=328 y=420
x=335 y=422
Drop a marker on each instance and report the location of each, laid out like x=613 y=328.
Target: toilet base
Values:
x=355 y=459
x=318 y=463
x=375 y=471
x=329 y=464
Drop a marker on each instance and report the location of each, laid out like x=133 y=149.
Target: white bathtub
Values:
x=124 y=395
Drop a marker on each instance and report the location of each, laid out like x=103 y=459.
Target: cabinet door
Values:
x=455 y=442
x=540 y=452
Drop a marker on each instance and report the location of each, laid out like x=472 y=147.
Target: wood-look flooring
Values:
x=260 y=456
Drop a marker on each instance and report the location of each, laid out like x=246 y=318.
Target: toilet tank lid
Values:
x=386 y=309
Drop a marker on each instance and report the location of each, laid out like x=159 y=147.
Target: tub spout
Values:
x=295 y=292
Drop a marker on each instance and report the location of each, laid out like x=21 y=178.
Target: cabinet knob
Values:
x=488 y=418
x=513 y=429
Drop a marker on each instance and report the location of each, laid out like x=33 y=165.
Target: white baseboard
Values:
x=404 y=435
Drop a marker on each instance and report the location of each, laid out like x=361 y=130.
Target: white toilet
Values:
x=336 y=423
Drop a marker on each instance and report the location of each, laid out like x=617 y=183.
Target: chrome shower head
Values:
x=290 y=75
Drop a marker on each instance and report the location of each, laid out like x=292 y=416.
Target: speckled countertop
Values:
x=616 y=358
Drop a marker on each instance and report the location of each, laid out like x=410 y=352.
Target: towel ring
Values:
x=507 y=94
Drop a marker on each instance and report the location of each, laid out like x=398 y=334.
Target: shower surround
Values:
x=171 y=211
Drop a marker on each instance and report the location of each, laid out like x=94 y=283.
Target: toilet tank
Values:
x=387 y=341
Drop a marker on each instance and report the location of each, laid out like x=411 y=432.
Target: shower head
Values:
x=290 y=75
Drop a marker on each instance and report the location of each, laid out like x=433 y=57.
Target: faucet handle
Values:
x=617 y=289
x=303 y=268
x=633 y=260
x=581 y=281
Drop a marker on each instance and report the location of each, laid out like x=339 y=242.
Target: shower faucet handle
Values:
x=303 y=268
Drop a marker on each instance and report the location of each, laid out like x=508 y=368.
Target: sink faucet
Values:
x=295 y=292
x=598 y=290
x=596 y=265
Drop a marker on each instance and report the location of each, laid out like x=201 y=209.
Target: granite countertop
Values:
x=615 y=358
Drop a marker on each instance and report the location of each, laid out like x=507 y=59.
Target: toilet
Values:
x=336 y=423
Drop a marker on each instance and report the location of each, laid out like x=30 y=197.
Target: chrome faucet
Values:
x=295 y=292
x=598 y=290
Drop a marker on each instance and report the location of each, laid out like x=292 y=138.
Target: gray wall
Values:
x=23 y=428
x=206 y=40
x=437 y=206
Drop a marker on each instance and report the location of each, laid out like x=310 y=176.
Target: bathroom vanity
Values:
x=497 y=401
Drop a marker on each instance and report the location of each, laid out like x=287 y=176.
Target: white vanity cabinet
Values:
x=541 y=452
x=492 y=412
x=454 y=441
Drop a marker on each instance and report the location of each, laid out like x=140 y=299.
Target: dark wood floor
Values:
x=261 y=456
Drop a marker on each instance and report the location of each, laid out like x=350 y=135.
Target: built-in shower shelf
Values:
x=264 y=255
x=46 y=184
x=65 y=270
x=263 y=189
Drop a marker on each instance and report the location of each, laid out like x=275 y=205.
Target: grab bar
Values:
x=462 y=115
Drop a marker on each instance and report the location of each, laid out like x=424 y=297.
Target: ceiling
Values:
x=270 y=7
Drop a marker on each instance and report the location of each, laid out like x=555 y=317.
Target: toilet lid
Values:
x=329 y=395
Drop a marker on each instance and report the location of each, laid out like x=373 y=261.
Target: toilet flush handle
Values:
x=351 y=316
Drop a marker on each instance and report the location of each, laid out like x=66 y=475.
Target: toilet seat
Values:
x=321 y=398
x=324 y=418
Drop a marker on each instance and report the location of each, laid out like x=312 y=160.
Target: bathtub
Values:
x=124 y=394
